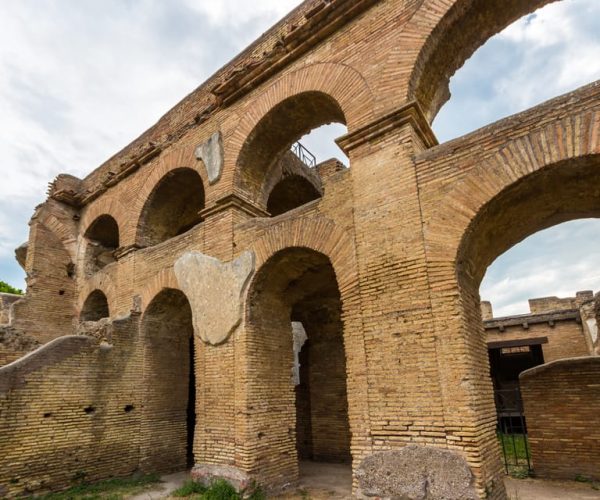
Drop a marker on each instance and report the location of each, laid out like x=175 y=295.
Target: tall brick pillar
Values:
x=219 y=429
x=406 y=375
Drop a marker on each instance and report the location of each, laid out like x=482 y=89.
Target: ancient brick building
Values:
x=162 y=287
x=553 y=329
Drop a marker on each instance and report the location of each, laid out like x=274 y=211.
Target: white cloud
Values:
x=80 y=80
x=558 y=261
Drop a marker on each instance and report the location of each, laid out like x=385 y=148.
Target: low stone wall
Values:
x=70 y=410
x=562 y=408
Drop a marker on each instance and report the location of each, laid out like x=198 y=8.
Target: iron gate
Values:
x=512 y=432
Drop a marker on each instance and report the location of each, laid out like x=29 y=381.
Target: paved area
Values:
x=170 y=483
x=537 y=489
x=320 y=481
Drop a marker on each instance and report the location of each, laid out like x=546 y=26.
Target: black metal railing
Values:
x=512 y=432
x=304 y=154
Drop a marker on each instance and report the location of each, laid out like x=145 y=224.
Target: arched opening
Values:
x=95 y=307
x=299 y=381
x=272 y=152
x=464 y=28
x=540 y=56
x=289 y=193
x=172 y=208
x=556 y=194
x=102 y=239
x=169 y=384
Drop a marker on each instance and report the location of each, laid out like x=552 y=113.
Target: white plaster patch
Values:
x=215 y=290
x=300 y=337
x=211 y=154
x=593 y=329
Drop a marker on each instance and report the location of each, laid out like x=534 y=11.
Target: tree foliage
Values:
x=6 y=288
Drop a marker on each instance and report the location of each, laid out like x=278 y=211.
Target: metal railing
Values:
x=512 y=432
x=304 y=154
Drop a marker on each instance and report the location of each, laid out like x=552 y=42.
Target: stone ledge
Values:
x=567 y=363
x=408 y=114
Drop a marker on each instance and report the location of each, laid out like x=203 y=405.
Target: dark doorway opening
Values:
x=191 y=408
x=167 y=433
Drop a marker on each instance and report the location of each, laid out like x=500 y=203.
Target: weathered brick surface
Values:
x=402 y=237
x=562 y=404
x=558 y=324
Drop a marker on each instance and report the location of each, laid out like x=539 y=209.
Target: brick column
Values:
x=408 y=384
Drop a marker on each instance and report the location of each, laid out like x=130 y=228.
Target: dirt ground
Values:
x=333 y=482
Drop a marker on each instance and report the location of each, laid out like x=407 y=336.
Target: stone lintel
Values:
x=408 y=114
x=233 y=201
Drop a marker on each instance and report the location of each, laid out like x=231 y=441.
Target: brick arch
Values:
x=105 y=205
x=480 y=213
x=105 y=284
x=447 y=33
x=325 y=237
x=62 y=231
x=319 y=234
x=170 y=160
x=342 y=84
x=564 y=145
x=164 y=279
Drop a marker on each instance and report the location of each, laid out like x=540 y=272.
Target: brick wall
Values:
x=408 y=230
x=6 y=300
x=73 y=409
x=565 y=338
x=562 y=405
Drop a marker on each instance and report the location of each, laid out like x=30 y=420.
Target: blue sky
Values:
x=80 y=80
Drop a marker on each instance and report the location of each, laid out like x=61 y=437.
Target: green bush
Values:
x=6 y=288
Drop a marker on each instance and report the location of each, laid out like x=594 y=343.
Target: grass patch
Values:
x=219 y=490
x=189 y=488
x=515 y=451
x=110 y=489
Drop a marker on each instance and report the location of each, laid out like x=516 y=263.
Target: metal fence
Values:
x=304 y=154
x=512 y=432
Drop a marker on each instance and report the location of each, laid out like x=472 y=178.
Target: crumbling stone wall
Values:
x=562 y=404
x=6 y=301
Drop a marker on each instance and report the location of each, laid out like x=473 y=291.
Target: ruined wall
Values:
x=547 y=304
x=409 y=230
x=71 y=411
x=562 y=404
x=6 y=300
x=48 y=309
x=558 y=324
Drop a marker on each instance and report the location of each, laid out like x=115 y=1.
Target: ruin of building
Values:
x=162 y=287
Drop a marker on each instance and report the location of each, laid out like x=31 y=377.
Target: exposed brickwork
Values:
x=562 y=404
x=556 y=323
x=400 y=241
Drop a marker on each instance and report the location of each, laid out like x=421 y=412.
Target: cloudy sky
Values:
x=79 y=79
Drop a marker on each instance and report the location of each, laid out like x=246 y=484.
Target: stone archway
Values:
x=172 y=208
x=303 y=417
x=168 y=421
